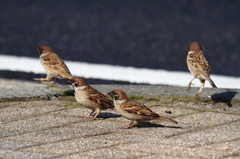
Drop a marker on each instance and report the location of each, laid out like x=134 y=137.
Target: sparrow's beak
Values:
x=40 y=51
x=110 y=93
x=69 y=82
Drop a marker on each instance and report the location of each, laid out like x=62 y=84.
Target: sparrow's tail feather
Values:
x=167 y=119
x=207 y=77
x=67 y=76
x=212 y=83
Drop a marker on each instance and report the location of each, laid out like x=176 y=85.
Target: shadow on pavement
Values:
x=224 y=97
x=149 y=124
x=106 y=115
x=69 y=93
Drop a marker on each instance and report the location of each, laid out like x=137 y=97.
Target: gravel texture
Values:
x=55 y=128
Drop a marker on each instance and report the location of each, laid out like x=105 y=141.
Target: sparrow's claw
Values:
x=197 y=94
x=131 y=125
x=189 y=86
x=49 y=82
x=40 y=79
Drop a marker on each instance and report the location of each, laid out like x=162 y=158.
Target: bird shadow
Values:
x=224 y=97
x=69 y=92
x=152 y=125
x=107 y=115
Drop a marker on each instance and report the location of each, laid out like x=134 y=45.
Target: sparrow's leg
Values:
x=51 y=82
x=48 y=78
x=98 y=112
x=200 y=90
x=40 y=79
x=87 y=115
x=135 y=122
x=90 y=114
x=190 y=83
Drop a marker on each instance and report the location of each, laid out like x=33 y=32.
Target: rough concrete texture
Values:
x=55 y=128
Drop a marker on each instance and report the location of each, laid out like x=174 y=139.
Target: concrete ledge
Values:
x=32 y=91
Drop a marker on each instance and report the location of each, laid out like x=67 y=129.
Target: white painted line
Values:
x=119 y=73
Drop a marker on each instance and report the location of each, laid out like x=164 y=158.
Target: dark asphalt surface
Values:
x=141 y=33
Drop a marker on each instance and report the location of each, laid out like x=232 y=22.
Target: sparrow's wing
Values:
x=55 y=62
x=199 y=61
x=99 y=98
x=136 y=108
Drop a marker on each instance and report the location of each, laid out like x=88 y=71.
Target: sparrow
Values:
x=53 y=65
x=198 y=66
x=133 y=110
x=90 y=97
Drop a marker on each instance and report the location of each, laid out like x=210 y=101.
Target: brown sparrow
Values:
x=198 y=66
x=90 y=97
x=53 y=65
x=133 y=110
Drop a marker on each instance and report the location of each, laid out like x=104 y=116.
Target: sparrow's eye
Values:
x=76 y=84
x=116 y=96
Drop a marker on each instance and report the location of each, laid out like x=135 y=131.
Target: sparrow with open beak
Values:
x=198 y=66
x=90 y=97
x=132 y=110
x=53 y=65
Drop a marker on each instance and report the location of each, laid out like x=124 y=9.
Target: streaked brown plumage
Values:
x=90 y=97
x=132 y=110
x=198 y=66
x=53 y=65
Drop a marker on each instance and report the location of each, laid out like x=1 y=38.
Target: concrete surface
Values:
x=47 y=126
